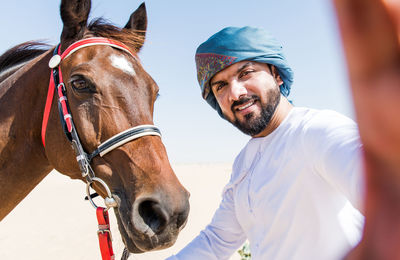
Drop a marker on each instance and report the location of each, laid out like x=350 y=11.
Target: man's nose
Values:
x=237 y=90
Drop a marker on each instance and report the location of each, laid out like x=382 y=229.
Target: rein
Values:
x=83 y=158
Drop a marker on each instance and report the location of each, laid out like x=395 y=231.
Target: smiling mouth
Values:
x=246 y=105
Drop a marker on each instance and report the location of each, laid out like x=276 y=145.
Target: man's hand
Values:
x=370 y=31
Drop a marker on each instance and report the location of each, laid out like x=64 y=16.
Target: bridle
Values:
x=83 y=158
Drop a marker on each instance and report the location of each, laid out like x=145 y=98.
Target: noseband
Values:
x=83 y=158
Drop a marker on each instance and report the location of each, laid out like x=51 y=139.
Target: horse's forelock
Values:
x=101 y=28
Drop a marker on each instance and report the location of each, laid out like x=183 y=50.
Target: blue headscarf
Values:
x=232 y=45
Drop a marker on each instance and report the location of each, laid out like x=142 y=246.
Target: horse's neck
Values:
x=8 y=72
x=23 y=163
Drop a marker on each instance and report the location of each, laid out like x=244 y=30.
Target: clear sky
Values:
x=192 y=130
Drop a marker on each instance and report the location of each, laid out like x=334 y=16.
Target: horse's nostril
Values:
x=153 y=215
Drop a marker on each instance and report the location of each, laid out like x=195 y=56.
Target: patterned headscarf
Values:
x=232 y=45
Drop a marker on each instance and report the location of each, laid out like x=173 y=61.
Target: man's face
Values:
x=248 y=94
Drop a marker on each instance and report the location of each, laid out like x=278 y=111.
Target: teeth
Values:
x=245 y=106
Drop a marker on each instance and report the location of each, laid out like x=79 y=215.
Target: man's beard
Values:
x=255 y=124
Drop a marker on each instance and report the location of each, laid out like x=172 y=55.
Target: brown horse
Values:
x=108 y=92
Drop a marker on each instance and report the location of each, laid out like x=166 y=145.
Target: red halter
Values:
x=104 y=233
x=56 y=60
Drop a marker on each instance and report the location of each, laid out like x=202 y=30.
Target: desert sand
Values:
x=55 y=222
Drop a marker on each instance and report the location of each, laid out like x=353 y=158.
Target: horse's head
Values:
x=108 y=92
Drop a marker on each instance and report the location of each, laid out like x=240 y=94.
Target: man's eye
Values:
x=219 y=87
x=245 y=73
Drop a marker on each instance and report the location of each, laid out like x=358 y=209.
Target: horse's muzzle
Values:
x=155 y=222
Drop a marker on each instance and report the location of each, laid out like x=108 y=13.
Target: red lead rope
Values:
x=104 y=234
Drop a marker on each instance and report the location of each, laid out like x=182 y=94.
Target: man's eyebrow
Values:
x=216 y=83
x=247 y=64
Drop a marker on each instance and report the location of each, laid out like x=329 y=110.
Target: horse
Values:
x=106 y=102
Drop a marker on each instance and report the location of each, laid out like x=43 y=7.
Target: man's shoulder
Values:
x=325 y=118
x=310 y=118
x=323 y=127
x=309 y=113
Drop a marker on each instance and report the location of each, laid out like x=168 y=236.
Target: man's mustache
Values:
x=243 y=100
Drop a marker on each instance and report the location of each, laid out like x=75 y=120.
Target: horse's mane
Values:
x=22 y=53
x=101 y=28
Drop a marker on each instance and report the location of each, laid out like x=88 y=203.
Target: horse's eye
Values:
x=79 y=83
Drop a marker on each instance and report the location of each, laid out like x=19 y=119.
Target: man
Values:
x=296 y=186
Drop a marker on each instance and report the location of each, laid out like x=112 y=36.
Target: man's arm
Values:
x=333 y=145
x=220 y=239
x=370 y=36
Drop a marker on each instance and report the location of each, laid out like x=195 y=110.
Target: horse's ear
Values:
x=138 y=21
x=74 y=14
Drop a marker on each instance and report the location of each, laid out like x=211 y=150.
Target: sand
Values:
x=54 y=222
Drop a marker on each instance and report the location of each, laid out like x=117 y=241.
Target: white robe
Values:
x=293 y=194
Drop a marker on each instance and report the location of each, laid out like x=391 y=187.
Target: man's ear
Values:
x=275 y=74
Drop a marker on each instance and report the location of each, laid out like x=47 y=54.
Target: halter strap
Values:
x=49 y=100
x=87 y=43
x=56 y=60
x=82 y=157
x=66 y=119
x=123 y=138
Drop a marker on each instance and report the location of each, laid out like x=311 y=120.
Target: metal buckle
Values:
x=109 y=201
x=62 y=85
x=102 y=231
x=83 y=162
